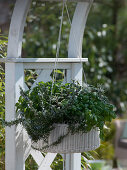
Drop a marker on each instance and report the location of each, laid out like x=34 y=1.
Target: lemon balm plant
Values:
x=48 y=104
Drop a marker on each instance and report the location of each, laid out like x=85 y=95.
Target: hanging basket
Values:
x=76 y=143
x=56 y=117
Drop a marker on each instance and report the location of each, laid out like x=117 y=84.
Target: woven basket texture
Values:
x=77 y=143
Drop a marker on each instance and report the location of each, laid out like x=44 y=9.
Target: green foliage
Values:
x=58 y=163
x=30 y=77
x=3 y=50
x=85 y=157
x=30 y=163
x=106 y=149
x=105 y=46
x=2 y=115
x=81 y=108
x=3 y=46
x=2 y=92
x=44 y=20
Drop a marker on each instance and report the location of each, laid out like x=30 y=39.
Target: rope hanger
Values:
x=64 y=6
x=59 y=41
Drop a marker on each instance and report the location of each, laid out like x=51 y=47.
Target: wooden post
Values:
x=14 y=77
x=77 y=29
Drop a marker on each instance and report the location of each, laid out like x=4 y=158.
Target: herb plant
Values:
x=81 y=108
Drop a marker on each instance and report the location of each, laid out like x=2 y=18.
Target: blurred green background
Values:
x=105 y=45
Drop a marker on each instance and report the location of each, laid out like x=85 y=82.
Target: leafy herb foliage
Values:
x=81 y=108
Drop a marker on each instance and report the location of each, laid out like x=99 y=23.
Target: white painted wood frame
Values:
x=16 y=149
x=14 y=76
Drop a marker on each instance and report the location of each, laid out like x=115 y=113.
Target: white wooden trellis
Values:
x=18 y=144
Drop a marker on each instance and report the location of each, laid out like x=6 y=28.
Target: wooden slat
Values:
x=46 y=66
x=44 y=60
x=26 y=87
x=44 y=76
x=69 y=76
x=27 y=144
x=47 y=161
x=14 y=77
x=37 y=156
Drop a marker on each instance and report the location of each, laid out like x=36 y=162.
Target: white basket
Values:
x=77 y=143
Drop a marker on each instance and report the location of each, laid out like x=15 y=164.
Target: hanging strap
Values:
x=67 y=11
x=58 y=47
x=58 y=43
x=59 y=38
